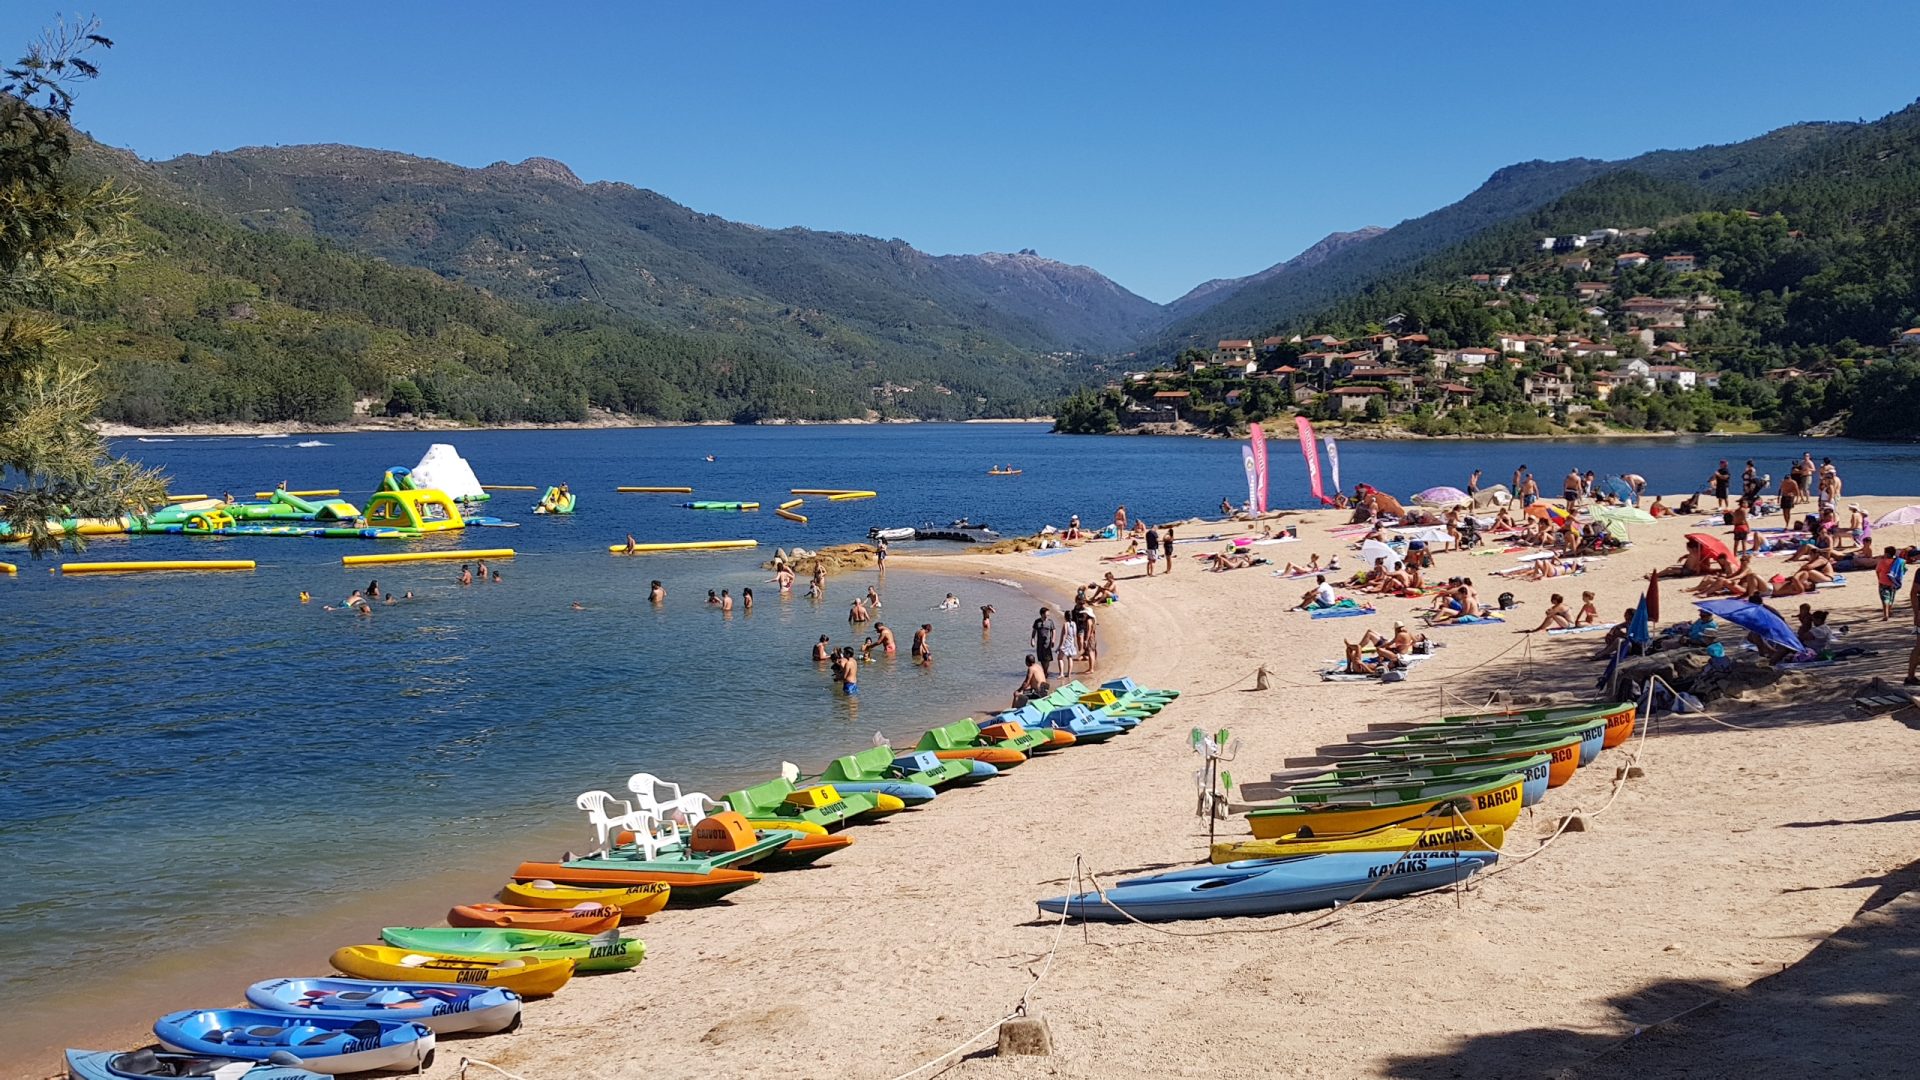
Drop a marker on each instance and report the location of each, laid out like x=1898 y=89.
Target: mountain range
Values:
x=553 y=296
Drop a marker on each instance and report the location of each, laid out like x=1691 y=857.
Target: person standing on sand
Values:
x=1913 y=658
x=1570 y=490
x=1042 y=637
x=1120 y=521
x=1519 y=474
x=1089 y=625
x=1790 y=492
x=880 y=555
x=1166 y=549
x=1473 y=484
x=1888 y=572
x=1153 y=548
x=1529 y=491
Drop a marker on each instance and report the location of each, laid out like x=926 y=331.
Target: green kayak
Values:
x=589 y=952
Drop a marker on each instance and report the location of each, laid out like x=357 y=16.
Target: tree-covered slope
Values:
x=534 y=230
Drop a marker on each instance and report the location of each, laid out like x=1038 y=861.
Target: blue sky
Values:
x=1162 y=144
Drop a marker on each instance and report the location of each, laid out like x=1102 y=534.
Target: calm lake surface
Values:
x=197 y=760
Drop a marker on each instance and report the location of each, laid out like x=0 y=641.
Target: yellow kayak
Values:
x=1451 y=838
x=1493 y=801
x=527 y=976
x=634 y=901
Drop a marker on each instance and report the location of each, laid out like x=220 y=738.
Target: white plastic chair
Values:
x=650 y=834
x=665 y=800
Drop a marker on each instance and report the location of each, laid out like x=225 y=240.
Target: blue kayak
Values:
x=441 y=1007
x=911 y=794
x=1273 y=886
x=326 y=1044
x=150 y=1065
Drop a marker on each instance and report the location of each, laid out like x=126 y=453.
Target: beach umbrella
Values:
x=1619 y=489
x=1758 y=618
x=1906 y=515
x=1712 y=545
x=1383 y=503
x=1374 y=549
x=1623 y=514
x=1440 y=496
x=1640 y=629
x=1653 y=597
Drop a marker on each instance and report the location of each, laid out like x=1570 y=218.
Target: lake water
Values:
x=201 y=758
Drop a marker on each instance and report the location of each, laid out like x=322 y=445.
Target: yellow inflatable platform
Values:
x=427 y=556
x=689 y=545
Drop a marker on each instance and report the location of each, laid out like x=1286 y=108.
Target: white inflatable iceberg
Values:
x=444 y=469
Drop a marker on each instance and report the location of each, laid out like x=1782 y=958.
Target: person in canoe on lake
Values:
x=1556 y=617
x=1034 y=685
x=822 y=652
x=887 y=643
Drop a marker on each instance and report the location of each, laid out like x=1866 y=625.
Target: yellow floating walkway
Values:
x=8 y=568
x=186 y=498
x=427 y=556
x=823 y=491
x=791 y=503
x=142 y=567
x=791 y=516
x=690 y=545
x=656 y=490
x=846 y=496
x=322 y=492
x=508 y=487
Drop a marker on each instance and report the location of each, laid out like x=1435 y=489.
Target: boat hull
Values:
x=442 y=1008
x=1273 y=886
x=685 y=889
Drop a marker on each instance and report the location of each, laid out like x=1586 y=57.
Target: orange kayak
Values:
x=684 y=888
x=992 y=755
x=591 y=919
x=806 y=850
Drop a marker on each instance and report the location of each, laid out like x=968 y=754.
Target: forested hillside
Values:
x=221 y=320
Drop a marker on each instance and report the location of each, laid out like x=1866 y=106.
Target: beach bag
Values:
x=1506 y=601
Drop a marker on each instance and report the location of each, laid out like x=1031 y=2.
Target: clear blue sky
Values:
x=1162 y=144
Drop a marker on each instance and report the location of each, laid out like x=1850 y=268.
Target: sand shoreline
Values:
x=1743 y=846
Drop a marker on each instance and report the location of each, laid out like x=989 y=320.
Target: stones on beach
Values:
x=1026 y=1035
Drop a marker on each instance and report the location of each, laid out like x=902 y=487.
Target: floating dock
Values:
x=656 y=490
x=146 y=567
x=427 y=556
x=689 y=545
x=848 y=496
x=508 y=487
x=315 y=492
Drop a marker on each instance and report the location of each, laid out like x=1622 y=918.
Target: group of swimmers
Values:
x=361 y=601
x=478 y=571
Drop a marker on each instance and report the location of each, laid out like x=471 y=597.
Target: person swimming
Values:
x=950 y=603
x=713 y=597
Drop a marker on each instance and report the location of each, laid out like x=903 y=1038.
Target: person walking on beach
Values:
x=1742 y=526
x=1153 y=548
x=1473 y=484
x=1913 y=658
x=1790 y=492
x=1888 y=572
x=1719 y=482
x=1042 y=637
x=1069 y=647
x=1120 y=521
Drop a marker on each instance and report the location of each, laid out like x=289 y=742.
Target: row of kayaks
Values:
x=556 y=919
x=1398 y=809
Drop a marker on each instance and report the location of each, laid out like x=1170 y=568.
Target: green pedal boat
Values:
x=589 y=952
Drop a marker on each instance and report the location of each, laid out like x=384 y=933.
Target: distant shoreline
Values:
x=415 y=426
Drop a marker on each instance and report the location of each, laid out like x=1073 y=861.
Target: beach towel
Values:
x=1130 y=560
x=1341 y=612
x=1469 y=620
x=1594 y=629
x=1839 y=582
x=1058 y=551
x=1340 y=675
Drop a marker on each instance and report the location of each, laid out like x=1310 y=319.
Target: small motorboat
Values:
x=328 y=1044
x=877 y=533
x=150 y=1065
x=441 y=1007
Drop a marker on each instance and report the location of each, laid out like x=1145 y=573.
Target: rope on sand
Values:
x=466 y=1061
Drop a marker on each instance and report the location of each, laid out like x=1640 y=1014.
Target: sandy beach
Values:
x=1757 y=832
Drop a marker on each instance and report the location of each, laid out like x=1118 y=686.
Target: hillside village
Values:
x=1613 y=328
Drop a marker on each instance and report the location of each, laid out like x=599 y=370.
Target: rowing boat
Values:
x=1494 y=801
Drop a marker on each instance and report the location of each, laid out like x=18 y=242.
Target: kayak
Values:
x=805 y=850
x=1447 y=838
x=1619 y=717
x=589 y=952
x=1494 y=801
x=147 y=1065
x=1533 y=769
x=581 y=919
x=528 y=976
x=1592 y=736
x=1273 y=886
x=326 y=1044
x=633 y=901
x=441 y=1007
x=688 y=887
x=1474 y=740
x=1563 y=754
